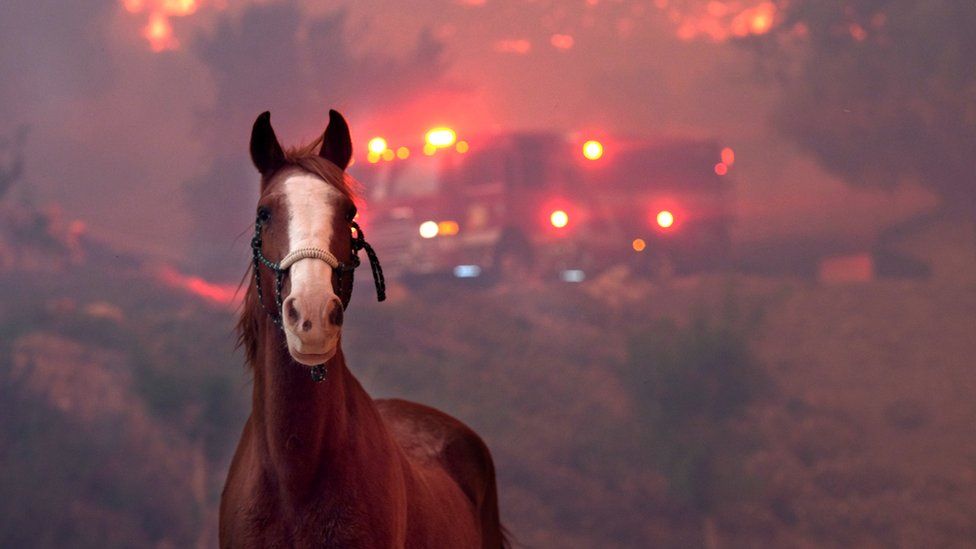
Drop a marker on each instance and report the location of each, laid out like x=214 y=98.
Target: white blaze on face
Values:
x=310 y=202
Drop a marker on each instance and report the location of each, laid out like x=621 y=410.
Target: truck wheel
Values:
x=514 y=257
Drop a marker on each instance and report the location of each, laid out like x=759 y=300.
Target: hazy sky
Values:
x=120 y=131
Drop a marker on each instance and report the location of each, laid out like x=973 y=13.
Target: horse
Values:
x=319 y=462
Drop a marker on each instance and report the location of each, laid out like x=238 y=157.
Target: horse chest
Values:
x=314 y=529
x=325 y=522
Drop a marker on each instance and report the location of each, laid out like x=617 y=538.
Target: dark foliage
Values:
x=692 y=386
x=880 y=91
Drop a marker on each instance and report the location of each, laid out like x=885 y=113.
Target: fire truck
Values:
x=543 y=204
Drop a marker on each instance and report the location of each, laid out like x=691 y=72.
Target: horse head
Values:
x=306 y=240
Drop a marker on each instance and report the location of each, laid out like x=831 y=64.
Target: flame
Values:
x=158 y=30
x=561 y=41
x=159 y=33
x=516 y=46
x=225 y=295
x=719 y=20
x=857 y=32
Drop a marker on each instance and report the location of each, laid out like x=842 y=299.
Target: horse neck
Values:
x=308 y=432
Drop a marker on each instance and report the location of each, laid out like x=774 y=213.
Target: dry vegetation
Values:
x=854 y=426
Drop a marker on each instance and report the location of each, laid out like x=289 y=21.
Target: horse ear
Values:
x=336 y=143
x=266 y=153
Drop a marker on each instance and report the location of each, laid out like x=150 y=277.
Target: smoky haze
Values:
x=164 y=133
x=810 y=385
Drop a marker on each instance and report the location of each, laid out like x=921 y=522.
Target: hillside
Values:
x=122 y=400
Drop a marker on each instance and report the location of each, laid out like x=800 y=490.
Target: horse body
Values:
x=323 y=464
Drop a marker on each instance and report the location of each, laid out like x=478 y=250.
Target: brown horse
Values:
x=320 y=463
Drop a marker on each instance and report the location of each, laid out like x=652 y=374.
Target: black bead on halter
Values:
x=341 y=270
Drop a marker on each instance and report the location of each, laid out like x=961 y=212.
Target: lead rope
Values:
x=359 y=242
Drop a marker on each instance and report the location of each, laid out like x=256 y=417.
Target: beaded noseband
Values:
x=341 y=269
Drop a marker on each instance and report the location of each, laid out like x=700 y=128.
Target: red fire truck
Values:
x=545 y=204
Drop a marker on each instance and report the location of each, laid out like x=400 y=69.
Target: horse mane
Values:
x=306 y=158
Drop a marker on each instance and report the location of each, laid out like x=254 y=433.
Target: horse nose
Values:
x=306 y=315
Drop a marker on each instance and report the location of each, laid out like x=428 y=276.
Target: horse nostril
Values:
x=307 y=325
x=292 y=312
x=335 y=315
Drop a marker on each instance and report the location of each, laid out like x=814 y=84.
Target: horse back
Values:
x=431 y=438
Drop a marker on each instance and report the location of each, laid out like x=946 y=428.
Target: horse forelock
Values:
x=306 y=158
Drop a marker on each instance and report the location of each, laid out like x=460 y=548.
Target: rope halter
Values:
x=341 y=269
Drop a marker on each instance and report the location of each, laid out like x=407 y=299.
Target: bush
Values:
x=691 y=385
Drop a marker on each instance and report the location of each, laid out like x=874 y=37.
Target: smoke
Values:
x=51 y=49
x=274 y=57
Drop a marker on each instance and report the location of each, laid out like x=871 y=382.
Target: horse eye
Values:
x=264 y=214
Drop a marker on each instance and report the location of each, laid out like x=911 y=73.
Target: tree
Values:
x=274 y=55
x=880 y=91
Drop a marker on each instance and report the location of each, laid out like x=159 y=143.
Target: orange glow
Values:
x=388 y=155
x=728 y=156
x=372 y=157
x=721 y=168
x=756 y=20
x=665 y=219
x=561 y=41
x=377 y=145
x=440 y=137
x=461 y=147
x=176 y=8
x=761 y=23
x=857 y=32
x=516 y=46
x=429 y=149
x=638 y=244
x=158 y=31
x=720 y=20
x=593 y=150
x=402 y=153
x=218 y=294
x=448 y=228
x=559 y=219
x=179 y=7
x=429 y=229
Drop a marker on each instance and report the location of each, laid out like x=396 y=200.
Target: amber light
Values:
x=638 y=244
x=448 y=228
